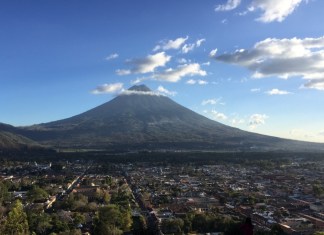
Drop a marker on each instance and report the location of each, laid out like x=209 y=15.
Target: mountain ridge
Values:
x=141 y=119
x=9 y=140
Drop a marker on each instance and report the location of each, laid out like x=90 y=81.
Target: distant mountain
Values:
x=15 y=142
x=139 y=119
x=6 y=127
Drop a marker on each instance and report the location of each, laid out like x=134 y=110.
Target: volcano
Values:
x=139 y=119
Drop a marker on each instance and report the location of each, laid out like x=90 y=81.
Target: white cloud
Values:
x=283 y=58
x=112 y=56
x=236 y=121
x=160 y=91
x=199 y=82
x=175 y=75
x=140 y=80
x=209 y=102
x=274 y=10
x=147 y=64
x=256 y=120
x=206 y=63
x=276 y=91
x=244 y=12
x=122 y=72
x=228 y=6
x=224 y=21
x=182 y=61
x=217 y=115
x=187 y=47
x=212 y=53
x=165 y=91
x=132 y=92
x=202 y=82
x=317 y=84
x=255 y=90
x=108 y=88
x=171 y=44
x=200 y=41
x=191 y=82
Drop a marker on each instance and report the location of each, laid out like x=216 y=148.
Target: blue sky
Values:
x=254 y=64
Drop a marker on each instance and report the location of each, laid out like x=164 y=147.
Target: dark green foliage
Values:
x=169 y=226
x=59 y=225
x=4 y=195
x=36 y=194
x=16 y=222
x=78 y=219
x=110 y=218
x=39 y=223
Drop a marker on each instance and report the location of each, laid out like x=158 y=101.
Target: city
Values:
x=281 y=195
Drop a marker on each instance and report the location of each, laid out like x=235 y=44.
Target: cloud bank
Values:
x=256 y=120
x=160 y=91
x=108 y=88
x=191 y=46
x=228 y=6
x=271 y=10
x=175 y=75
x=274 y=10
x=146 y=65
x=218 y=115
x=132 y=92
x=165 y=91
x=171 y=44
x=284 y=58
x=276 y=91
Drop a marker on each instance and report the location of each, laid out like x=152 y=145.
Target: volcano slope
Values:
x=139 y=119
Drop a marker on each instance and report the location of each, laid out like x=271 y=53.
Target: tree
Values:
x=16 y=223
x=106 y=197
x=3 y=210
x=105 y=229
x=111 y=218
x=200 y=223
x=3 y=192
x=78 y=219
x=39 y=223
x=172 y=225
x=76 y=202
x=59 y=225
x=139 y=225
x=36 y=193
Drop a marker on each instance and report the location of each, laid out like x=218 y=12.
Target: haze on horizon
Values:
x=257 y=65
